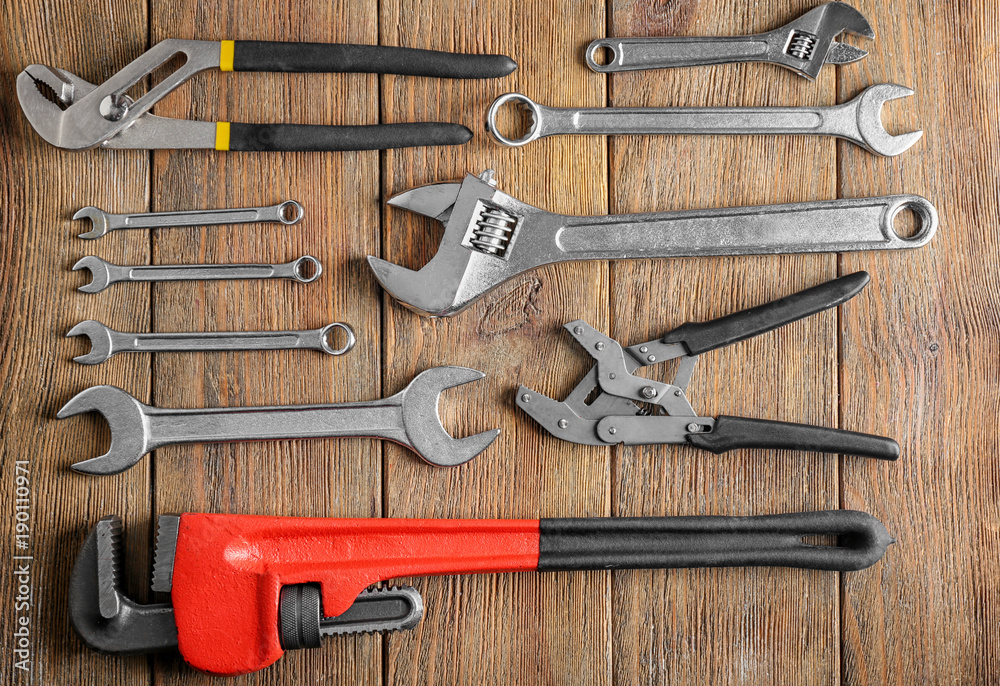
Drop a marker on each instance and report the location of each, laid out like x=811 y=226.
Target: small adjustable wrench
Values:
x=858 y=121
x=105 y=342
x=287 y=213
x=105 y=273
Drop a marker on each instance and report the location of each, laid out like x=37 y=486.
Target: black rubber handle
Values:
x=253 y=55
x=662 y=542
x=700 y=337
x=730 y=433
x=310 y=138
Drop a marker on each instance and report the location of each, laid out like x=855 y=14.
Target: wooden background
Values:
x=915 y=356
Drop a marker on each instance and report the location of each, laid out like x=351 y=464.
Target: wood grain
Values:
x=924 y=361
x=506 y=629
x=914 y=356
x=725 y=625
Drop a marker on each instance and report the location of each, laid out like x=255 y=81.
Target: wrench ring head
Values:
x=100 y=273
x=290 y=212
x=590 y=55
x=533 y=108
x=99 y=337
x=926 y=213
x=326 y=335
x=300 y=266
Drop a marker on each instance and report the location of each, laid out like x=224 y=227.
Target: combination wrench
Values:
x=858 y=121
x=105 y=341
x=288 y=213
x=104 y=273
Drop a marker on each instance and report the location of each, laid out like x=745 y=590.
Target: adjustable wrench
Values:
x=104 y=273
x=409 y=418
x=287 y=213
x=803 y=45
x=491 y=237
x=858 y=121
x=105 y=342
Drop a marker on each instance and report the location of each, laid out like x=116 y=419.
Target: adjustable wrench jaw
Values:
x=478 y=251
x=807 y=43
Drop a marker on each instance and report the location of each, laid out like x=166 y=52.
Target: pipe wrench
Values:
x=244 y=589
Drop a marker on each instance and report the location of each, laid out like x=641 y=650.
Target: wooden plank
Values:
x=341 y=226
x=923 y=361
x=725 y=625
x=529 y=628
x=41 y=188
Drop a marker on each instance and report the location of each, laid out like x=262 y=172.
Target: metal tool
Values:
x=409 y=418
x=858 y=121
x=74 y=114
x=491 y=237
x=803 y=46
x=304 y=270
x=244 y=589
x=288 y=213
x=105 y=342
x=637 y=411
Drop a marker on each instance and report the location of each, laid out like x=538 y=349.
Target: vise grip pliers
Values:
x=244 y=589
x=72 y=113
x=637 y=411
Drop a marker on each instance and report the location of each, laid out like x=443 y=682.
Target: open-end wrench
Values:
x=409 y=418
x=858 y=121
x=491 y=237
x=288 y=213
x=803 y=45
x=104 y=273
x=105 y=342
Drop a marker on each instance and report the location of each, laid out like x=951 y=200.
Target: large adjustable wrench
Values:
x=409 y=418
x=491 y=237
x=858 y=121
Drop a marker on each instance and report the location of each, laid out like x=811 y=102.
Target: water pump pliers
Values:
x=74 y=114
x=612 y=406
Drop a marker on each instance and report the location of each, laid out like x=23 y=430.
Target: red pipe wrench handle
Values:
x=229 y=570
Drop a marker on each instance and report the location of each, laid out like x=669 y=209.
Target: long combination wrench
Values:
x=306 y=269
x=105 y=341
x=287 y=213
x=858 y=121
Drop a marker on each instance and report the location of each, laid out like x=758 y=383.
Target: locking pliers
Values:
x=638 y=411
x=74 y=114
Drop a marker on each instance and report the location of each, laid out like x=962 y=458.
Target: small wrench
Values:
x=105 y=273
x=288 y=213
x=858 y=121
x=105 y=342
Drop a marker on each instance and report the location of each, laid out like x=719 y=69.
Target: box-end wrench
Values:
x=858 y=121
x=409 y=418
x=287 y=213
x=105 y=342
x=104 y=273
